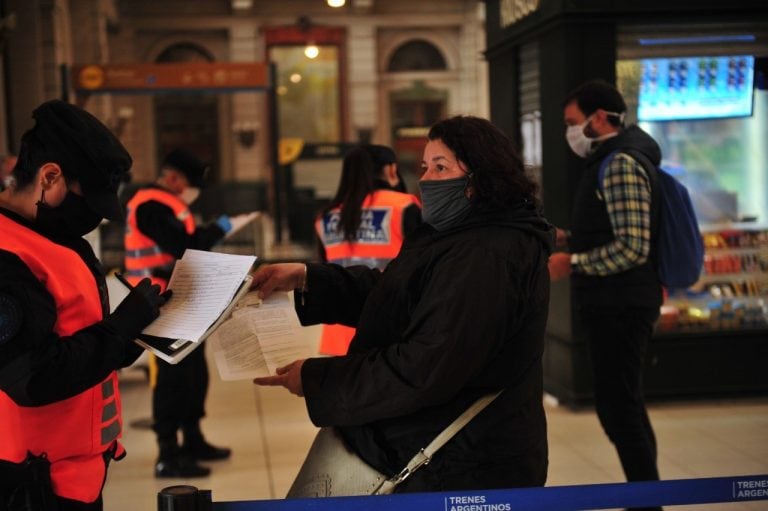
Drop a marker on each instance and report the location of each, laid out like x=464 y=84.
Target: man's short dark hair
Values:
x=188 y=164
x=597 y=94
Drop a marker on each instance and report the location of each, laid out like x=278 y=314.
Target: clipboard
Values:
x=174 y=351
x=207 y=287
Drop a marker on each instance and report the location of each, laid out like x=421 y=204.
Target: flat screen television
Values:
x=696 y=88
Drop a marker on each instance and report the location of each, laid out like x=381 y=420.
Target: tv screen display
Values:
x=695 y=88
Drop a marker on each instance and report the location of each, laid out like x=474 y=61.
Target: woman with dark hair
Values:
x=458 y=314
x=355 y=185
x=369 y=181
x=365 y=223
x=500 y=177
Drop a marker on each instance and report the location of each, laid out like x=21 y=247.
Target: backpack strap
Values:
x=604 y=168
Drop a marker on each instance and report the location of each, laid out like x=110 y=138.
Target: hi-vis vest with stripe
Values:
x=142 y=255
x=379 y=237
x=73 y=433
x=377 y=242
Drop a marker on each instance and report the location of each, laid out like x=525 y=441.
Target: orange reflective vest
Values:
x=142 y=254
x=377 y=242
x=76 y=432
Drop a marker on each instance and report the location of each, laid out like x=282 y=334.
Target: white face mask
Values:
x=189 y=195
x=577 y=140
x=582 y=144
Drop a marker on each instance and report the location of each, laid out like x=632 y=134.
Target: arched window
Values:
x=184 y=52
x=417 y=55
x=188 y=119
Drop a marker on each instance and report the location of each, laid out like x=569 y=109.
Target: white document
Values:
x=203 y=284
x=240 y=221
x=259 y=337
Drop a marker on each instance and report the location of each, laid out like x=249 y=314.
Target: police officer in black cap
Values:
x=59 y=346
x=159 y=228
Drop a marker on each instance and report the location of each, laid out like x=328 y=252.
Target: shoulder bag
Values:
x=332 y=469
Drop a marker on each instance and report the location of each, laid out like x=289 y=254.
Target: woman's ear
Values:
x=469 y=191
x=50 y=174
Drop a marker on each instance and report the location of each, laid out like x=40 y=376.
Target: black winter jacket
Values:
x=456 y=315
x=36 y=367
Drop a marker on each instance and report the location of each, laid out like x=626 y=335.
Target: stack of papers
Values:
x=259 y=337
x=206 y=287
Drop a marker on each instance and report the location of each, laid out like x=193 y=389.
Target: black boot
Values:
x=172 y=462
x=197 y=448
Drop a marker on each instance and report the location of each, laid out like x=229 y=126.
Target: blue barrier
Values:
x=553 y=498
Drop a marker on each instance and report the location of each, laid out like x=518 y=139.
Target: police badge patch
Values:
x=10 y=317
x=374 y=227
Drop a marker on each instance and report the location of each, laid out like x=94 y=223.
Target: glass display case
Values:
x=723 y=161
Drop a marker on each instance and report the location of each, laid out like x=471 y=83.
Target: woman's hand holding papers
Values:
x=281 y=277
x=278 y=277
x=287 y=376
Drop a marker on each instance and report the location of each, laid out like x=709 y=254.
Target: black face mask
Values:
x=70 y=219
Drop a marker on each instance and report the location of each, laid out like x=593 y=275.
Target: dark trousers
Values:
x=27 y=487
x=178 y=399
x=618 y=339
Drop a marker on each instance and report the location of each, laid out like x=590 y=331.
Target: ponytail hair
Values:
x=356 y=183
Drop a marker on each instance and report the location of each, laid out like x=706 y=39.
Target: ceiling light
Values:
x=311 y=51
x=242 y=4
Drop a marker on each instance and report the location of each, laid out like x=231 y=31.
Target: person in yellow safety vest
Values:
x=365 y=222
x=159 y=228
x=59 y=346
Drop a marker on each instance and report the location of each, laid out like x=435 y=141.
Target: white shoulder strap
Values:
x=424 y=456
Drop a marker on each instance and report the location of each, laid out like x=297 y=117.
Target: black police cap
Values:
x=86 y=150
x=381 y=154
x=188 y=164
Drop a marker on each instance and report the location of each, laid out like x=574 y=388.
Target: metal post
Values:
x=65 y=77
x=184 y=498
x=277 y=174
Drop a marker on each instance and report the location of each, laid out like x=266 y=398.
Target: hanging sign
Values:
x=172 y=76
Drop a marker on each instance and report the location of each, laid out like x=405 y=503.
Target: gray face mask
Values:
x=444 y=202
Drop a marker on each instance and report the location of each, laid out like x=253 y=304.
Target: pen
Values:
x=122 y=279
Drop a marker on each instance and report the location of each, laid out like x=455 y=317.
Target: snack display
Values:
x=733 y=289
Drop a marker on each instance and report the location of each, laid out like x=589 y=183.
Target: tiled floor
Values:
x=269 y=432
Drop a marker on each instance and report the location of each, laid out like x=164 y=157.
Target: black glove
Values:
x=139 y=308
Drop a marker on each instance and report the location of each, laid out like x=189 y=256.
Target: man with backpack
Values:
x=616 y=293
